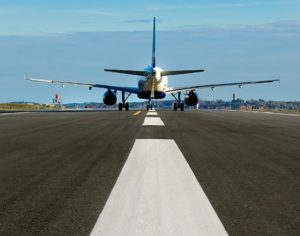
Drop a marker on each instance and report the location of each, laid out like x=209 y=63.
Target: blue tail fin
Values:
x=153 y=45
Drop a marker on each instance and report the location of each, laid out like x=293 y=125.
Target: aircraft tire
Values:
x=182 y=106
x=120 y=106
x=127 y=106
x=175 y=106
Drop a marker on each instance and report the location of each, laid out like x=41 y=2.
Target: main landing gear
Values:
x=149 y=105
x=178 y=103
x=124 y=104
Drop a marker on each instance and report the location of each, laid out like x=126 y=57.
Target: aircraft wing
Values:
x=212 y=86
x=90 y=86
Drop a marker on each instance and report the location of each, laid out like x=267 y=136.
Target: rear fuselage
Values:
x=152 y=86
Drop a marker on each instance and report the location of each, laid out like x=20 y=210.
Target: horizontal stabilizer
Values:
x=179 y=72
x=129 y=72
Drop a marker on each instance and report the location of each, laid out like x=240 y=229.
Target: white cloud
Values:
x=149 y=20
x=6 y=11
x=284 y=28
x=239 y=4
x=95 y=12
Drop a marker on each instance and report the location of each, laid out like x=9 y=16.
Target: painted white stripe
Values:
x=157 y=194
x=268 y=112
x=152 y=113
x=14 y=113
x=153 y=121
x=281 y=114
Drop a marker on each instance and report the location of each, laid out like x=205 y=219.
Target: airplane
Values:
x=152 y=84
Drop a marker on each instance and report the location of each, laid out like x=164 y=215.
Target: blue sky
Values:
x=38 y=17
x=233 y=40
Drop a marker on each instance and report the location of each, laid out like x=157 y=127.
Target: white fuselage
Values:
x=154 y=85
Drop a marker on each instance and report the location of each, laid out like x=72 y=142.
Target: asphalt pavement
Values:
x=58 y=169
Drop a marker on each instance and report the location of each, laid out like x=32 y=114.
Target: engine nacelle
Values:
x=191 y=98
x=109 y=98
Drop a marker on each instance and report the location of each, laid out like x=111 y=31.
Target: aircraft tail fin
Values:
x=153 y=64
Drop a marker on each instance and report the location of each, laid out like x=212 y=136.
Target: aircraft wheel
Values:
x=175 y=106
x=182 y=106
x=120 y=106
x=127 y=106
x=147 y=107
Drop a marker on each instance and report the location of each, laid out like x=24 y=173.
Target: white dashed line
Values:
x=152 y=113
x=157 y=194
x=153 y=121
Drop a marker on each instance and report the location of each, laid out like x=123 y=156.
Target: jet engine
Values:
x=109 y=98
x=191 y=98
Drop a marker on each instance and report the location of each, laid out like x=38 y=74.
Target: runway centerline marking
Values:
x=157 y=194
x=152 y=113
x=136 y=113
x=153 y=121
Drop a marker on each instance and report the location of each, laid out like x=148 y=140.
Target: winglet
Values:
x=153 y=45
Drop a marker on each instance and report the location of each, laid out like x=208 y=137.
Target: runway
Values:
x=59 y=171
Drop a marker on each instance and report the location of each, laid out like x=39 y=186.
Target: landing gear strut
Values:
x=178 y=103
x=149 y=105
x=124 y=104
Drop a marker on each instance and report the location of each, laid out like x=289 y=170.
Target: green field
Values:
x=14 y=107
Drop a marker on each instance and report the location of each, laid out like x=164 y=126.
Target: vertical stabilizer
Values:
x=153 y=46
